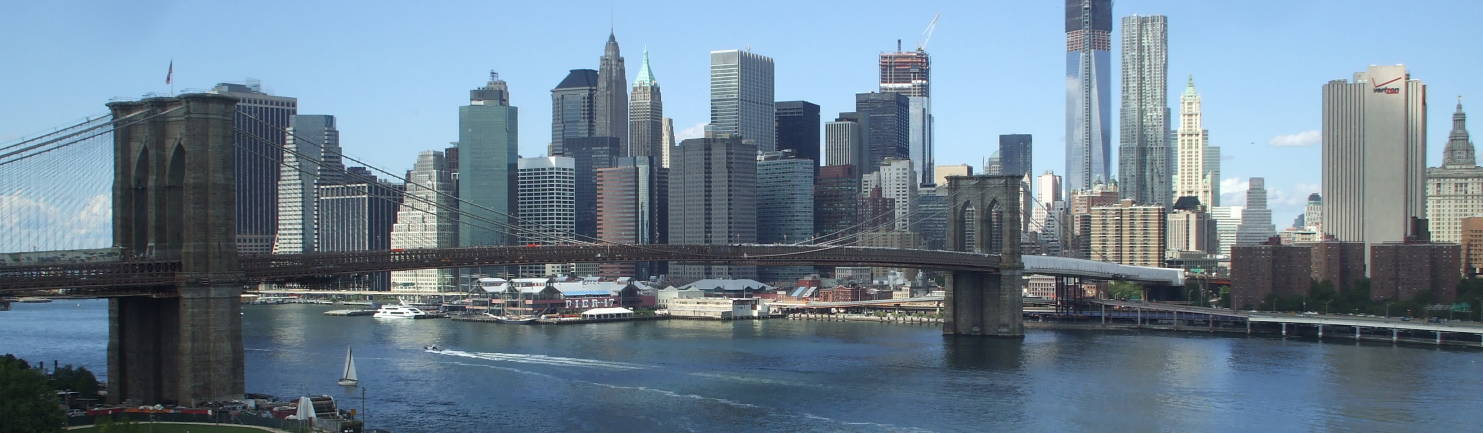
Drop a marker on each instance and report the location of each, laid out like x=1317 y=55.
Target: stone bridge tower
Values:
x=984 y=217
x=174 y=198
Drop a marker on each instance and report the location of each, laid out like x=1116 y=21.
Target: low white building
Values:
x=607 y=313
x=663 y=297
x=719 y=308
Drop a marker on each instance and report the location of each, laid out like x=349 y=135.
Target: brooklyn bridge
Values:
x=174 y=276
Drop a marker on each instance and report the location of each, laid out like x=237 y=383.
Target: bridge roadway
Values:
x=113 y=278
x=1305 y=319
x=126 y=277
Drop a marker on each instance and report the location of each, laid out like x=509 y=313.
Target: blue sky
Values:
x=395 y=73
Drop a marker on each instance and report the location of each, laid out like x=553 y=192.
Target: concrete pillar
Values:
x=1320 y=331
x=1284 y=329
x=1248 y=326
x=1439 y=337
x=1395 y=335
x=1140 y=316
x=1176 y=320
x=1356 y=333
x=1104 y=314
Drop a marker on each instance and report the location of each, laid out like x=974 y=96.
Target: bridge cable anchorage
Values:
x=518 y=226
x=89 y=119
x=420 y=199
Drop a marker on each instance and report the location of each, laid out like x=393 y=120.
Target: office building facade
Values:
x=548 y=206
x=1256 y=220
x=646 y=116
x=1198 y=163
x=887 y=126
x=426 y=219
x=312 y=160
x=742 y=97
x=488 y=142
x=632 y=200
x=713 y=201
x=798 y=129
x=573 y=109
x=897 y=182
x=845 y=141
x=358 y=216
x=259 y=138
x=1374 y=155
x=785 y=207
x=1455 y=190
x=836 y=201
x=611 y=106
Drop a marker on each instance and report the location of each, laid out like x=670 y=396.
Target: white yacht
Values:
x=400 y=312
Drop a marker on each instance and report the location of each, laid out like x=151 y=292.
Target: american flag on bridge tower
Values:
x=170 y=73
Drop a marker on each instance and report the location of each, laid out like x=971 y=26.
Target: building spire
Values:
x=1189 y=87
x=1459 y=152
x=646 y=76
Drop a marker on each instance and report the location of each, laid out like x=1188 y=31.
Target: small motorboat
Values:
x=432 y=347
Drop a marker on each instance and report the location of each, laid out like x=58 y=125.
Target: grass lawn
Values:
x=177 y=428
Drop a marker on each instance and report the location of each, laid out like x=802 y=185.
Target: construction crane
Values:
x=927 y=33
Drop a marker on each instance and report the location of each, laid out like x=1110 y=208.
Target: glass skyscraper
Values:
x=1088 y=123
x=573 y=109
x=487 y=158
x=1145 y=158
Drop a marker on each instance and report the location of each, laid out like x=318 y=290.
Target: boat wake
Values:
x=525 y=358
x=553 y=360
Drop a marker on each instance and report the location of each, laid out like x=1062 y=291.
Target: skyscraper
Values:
x=1088 y=119
x=1313 y=212
x=1374 y=155
x=1143 y=152
x=713 y=201
x=646 y=116
x=1256 y=220
x=798 y=129
x=1129 y=234
x=590 y=154
x=1198 y=162
x=898 y=183
x=1452 y=190
x=426 y=220
x=548 y=207
x=612 y=96
x=785 y=207
x=1016 y=155
x=632 y=208
x=845 y=140
x=314 y=160
x=487 y=166
x=836 y=201
x=357 y=215
x=668 y=141
x=1047 y=193
x=910 y=73
x=1227 y=221
x=259 y=138
x=742 y=97
x=573 y=108
x=887 y=129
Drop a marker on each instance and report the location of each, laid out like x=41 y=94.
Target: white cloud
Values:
x=36 y=224
x=697 y=131
x=1300 y=139
x=1233 y=191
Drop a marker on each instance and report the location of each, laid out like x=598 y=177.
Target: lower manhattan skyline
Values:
x=395 y=87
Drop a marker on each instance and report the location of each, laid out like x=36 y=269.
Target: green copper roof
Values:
x=1189 y=89
x=645 y=76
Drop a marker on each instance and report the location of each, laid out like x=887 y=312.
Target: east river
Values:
x=786 y=375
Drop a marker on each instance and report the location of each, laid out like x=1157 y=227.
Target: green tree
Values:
x=1124 y=290
x=27 y=403
x=78 y=380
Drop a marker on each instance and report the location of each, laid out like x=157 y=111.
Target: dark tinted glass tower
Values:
x=591 y=154
x=888 y=122
x=573 y=108
x=1015 y=154
x=713 y=201
x=798 y=128
x=259 y=138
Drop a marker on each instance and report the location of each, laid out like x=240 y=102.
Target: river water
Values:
x=814 y=376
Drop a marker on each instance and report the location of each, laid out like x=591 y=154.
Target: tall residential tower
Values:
x=1143 y=151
